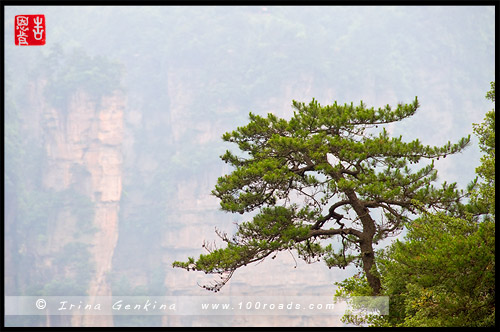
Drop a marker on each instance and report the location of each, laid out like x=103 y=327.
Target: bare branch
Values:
x=331 y=214
x=330 y=232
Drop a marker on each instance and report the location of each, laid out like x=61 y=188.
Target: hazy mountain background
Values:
x=113 y=131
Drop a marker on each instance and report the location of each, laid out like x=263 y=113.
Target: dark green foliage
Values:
x=329 y=157
x=483 y=198
x=443 y=273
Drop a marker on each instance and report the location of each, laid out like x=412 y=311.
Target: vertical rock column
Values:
x=88 y=135
x=104 y=161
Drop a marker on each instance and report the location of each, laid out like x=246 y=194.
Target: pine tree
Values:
x=443 y=272
x=330 y=172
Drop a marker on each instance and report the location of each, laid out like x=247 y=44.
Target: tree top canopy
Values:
x=319 y=175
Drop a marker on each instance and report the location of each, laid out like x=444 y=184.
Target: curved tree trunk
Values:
x=368 y=259
x=366 y=241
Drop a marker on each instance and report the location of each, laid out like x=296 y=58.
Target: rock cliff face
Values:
x=84 y=151
x=196 y=213
x=85 y=146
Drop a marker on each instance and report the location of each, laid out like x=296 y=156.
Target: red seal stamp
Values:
x=29 y=30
